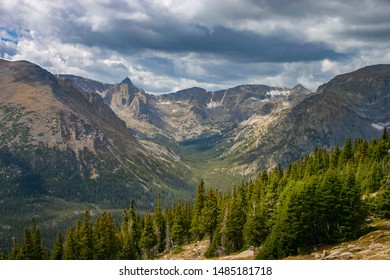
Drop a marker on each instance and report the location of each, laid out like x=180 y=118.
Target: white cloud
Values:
x=108 y=40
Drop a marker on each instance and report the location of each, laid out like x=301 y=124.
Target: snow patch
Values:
x=214 y=104
x=165 y=103
x=275 y=93
x=377 y=126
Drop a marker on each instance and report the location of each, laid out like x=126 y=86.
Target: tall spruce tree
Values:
x=105 y=238
x=148 y=239
x=210 y=214
x=196 y=223
x=70 y=248
x=159 y=226
x=57 y=251
x=178 y=230
x=86 y=238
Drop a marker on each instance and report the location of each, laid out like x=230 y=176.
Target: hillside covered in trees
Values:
x=324 y=198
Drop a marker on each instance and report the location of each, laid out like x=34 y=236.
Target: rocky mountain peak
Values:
x=127 y=81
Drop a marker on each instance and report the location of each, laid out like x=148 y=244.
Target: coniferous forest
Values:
x=324 y=198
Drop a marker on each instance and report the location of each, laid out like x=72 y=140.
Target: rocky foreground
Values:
x=375 y=245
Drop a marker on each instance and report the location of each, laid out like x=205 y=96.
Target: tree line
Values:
x=323 y=198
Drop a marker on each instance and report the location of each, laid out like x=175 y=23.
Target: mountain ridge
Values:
x=258 y=126
x=39 y=109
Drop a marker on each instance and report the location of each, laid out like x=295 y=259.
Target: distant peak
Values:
x=127 y=81
x=299 y=86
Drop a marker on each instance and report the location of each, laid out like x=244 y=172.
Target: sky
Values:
x=168 y=45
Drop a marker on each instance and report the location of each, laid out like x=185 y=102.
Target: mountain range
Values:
x=238 y=131
x=69 y=143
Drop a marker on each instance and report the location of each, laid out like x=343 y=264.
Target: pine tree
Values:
x=70 y=247
x=168 y=217
x=236 y=218
x=28 y=247
x=328 y=206
x=159 y=226
x=178 y=230
x=134 y=229
x=57 y=251
x=148 y=238
x=334 y=157
x=210 y=214
x=347 y=152
x=124 y=237
x=16 y=251
x=383 y=199
x=105 y=238
x=196 y=227
x=352 y=211
x=86 y=238
x=39 y=252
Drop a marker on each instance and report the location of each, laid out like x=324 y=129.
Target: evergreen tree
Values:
x=168 y=217
x=196 y=226
x=70 y=248
x=328 y=206
x=383 y=199
x=32 y=247
x=235 y=221
x=86 y=238
x=39 y=249
x=124 y=237
x=178 y=231
x=159 y=226
x=134 y=232
x=28 y=246
x=347 y=152
x=209 y=214
x=371 y=183
x=57 y=252
x=129 y=235
x=105 y=238
x=352 y=211
x=334 y=157
x=148 y=238
x=16 y=251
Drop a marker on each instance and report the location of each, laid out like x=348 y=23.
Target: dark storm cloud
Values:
x=239 y=46
x=378 y=34
x=170 y=33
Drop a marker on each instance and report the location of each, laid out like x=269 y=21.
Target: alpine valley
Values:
x=68 y=144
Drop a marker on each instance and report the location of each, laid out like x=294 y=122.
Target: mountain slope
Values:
x=40 y=110
x=353 y=105
x=62 y=149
